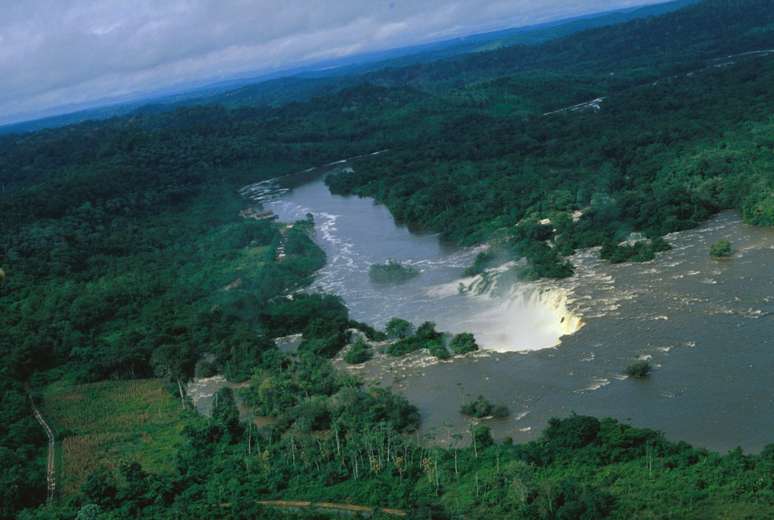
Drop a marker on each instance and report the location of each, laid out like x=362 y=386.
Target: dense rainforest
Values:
x=125 y=256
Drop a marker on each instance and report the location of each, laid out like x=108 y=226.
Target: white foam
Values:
x=528 y=317
x=596 y=384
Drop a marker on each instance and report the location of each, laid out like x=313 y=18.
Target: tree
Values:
x=225 y=412
x=639 y=369
x=101 y=487
x=392 y=272
x=427 y=332
x=721 y=249
x=359 y=352
x=480 y=408
x=438 y=349
x=175 y=362
x=482 y=437
x=398 y=328
x=463 y=343
x=89 y=512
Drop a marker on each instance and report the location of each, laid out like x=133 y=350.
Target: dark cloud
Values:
x=64 y=52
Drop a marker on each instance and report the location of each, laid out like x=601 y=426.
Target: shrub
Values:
x=438 y=349
x=391 y=273
x=482 y=436
x=642 y=251
x=358 y=353
x=403 y=347
x=571 y=433
x=463 y=343
x=101 y=487
x=427 y=331
x=370 y=332
x=639 y=369
x=399 y=329
x=483 y=260
x=480 y=407
x=425 y=337
x=205 y=368
x=721 y=249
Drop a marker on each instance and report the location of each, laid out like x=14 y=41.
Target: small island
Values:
x=639 y=369
x=392 y=272
x=481 y=408
x=721 y=249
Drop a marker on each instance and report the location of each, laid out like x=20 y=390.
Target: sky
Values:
x=56 y=54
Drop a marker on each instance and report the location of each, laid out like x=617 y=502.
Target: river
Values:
x=554 y=348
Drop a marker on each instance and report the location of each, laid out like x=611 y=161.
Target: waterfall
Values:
x=510 y=315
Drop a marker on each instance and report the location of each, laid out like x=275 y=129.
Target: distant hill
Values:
x=302 y=85
x=647 y=47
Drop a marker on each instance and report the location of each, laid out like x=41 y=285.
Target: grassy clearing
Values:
x=113 y=422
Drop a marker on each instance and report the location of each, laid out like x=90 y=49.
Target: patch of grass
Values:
x=251 y=258
x=113 y=422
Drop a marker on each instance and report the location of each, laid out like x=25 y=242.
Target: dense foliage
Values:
x=425 y=337
x=124 y=256
x=346 y=447
x=649 y=167
x=21 y=441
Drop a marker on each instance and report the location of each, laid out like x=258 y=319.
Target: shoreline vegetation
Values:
x=402 y=338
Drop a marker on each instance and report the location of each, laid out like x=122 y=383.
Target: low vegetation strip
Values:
x=110 y=423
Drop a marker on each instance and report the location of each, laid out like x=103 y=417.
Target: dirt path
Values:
x=50 y=465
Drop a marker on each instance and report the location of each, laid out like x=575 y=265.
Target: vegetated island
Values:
x=639 y=369
x=481 y=408
x=392 y=272
x=407 y=339
x=722 y=249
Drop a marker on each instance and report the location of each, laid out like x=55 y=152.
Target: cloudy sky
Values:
x=55 y=53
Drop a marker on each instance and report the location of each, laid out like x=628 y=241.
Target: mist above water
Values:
x=525 y=318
